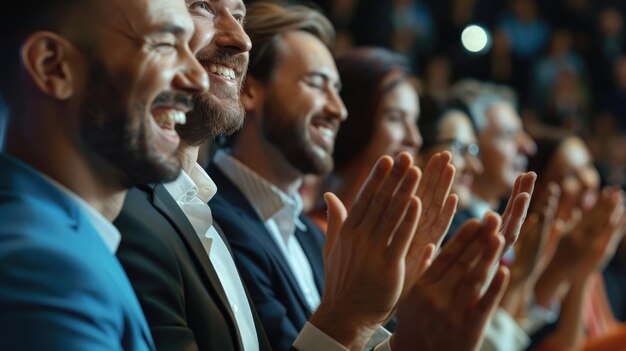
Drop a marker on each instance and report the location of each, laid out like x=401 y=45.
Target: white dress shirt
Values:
x=280 y=213
x=105 y=229
x=192 y=192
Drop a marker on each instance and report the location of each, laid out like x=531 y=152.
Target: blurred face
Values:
x=504 y=148
x=138 y=85
x=456 y=135
x=302 y=109
x=572 y=169
x=221 y=46
x=396 y=122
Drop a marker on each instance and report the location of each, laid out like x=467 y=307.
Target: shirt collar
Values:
x=206 y=187
x=188 y=186
x=105 y=229
x=266 y=199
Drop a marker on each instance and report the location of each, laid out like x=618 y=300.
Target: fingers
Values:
x=336 y=216
x=394 y=213
x=434 y=189
x=401 y=239
x=515 y=219
x=376 y=177
x=432 y=168
x=426 y=259
x=468 y=274
x=449 y=254
x=484 y=309
x=444 y=220
x=524 y=183
x=514 y=193
x=386 y=192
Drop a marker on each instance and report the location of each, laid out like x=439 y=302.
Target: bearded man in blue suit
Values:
x=93 y=90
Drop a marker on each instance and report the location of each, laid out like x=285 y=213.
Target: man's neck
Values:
x=188 y=157
x=271 y=165
x=64 y=164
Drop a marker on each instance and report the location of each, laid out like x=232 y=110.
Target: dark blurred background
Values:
x=565 y=59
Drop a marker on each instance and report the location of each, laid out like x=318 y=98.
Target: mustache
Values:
x=170 y=98
x=238 y=62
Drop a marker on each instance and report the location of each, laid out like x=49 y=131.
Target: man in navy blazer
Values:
x=289 y=132
x=92 y=108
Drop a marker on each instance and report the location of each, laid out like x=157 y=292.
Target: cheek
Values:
x=570 y=188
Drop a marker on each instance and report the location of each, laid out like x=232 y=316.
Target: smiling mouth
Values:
x=222 y=71
x=169 y=118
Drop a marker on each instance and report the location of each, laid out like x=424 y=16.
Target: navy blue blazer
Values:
x=274 y=290
x=60 y=286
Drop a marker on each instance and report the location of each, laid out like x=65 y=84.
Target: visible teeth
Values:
x=222 y=71
x=326 y=132
x=179 y=117
x=170 y=117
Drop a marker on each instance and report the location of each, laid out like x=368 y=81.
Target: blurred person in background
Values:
x=504 y=147
x=383 y=107
x=589 y=224
x=449 y=128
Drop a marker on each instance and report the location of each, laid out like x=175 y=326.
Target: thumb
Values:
x=337 y=214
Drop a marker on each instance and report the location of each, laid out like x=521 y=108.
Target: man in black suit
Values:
x=183 y=271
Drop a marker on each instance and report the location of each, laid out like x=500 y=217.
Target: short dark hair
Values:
x=267 y=22
x=362 y=72
x=431 y=116
x=19 y=19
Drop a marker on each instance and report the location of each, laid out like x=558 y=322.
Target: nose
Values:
x=474 y=164
x=229 y=34
x=526 y=144
x=335 y=107
x=191 y=76
x=413 y=138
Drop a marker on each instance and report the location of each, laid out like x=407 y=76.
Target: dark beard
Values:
x=292 y=141
x=209 y=118
x=120 y=141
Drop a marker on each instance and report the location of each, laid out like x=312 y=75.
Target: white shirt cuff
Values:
x=312 y=339
x=384 y=346
x=503 y=333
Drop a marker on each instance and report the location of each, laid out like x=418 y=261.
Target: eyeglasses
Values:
x=461 y=148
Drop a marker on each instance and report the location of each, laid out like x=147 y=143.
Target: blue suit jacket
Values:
x=60 y=286
x=271 y=283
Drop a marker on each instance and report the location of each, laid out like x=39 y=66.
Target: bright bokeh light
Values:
x=474 y=38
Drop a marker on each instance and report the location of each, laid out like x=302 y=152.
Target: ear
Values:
x=46 y=57
x=251 y=94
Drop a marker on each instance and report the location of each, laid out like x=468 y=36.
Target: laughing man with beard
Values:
x=181 y=266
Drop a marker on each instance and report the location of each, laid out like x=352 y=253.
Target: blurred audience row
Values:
x=566 y=59
x=568 y=269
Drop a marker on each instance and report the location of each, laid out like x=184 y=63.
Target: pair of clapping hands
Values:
x=381 y=258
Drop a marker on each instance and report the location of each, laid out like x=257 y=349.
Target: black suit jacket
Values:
x=176 y=284
x=276 y=294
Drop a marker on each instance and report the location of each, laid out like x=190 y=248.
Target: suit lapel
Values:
x=313 y=251
x=163 y=202
x=248 y=215
x=264 y=344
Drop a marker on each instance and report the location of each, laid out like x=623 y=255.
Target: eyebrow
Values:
x=325 y=77
x=172 y=28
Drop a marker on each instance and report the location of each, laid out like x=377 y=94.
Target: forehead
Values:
x=456 y=125
x=401 y=95
x=573 y=153
x=303 y=53
x=502 y=116
x=148 y=16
